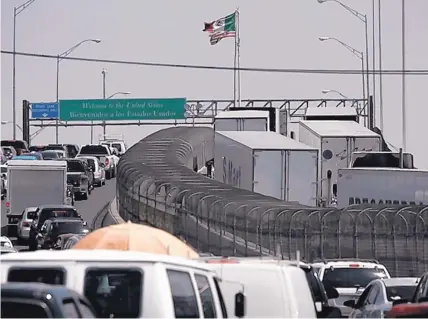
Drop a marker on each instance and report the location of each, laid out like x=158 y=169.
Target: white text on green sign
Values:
x=122 y=109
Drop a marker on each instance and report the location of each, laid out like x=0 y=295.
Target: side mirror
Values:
x=318 y=306
x=349 y=303
x=332 y=292
x=239 y=305
x=85 y=223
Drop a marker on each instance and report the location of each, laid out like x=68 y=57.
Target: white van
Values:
x=126 y=284
x=271 y=290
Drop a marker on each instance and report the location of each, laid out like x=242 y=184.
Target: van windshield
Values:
x=352 y=277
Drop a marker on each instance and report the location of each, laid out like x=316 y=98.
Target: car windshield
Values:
x=58 y=228
x=56 y=212
x=50 y=155
x=15 y=144
x=37 y=148
x=55 y=147
x=31 y=214
x=94 y=149
x=91 y=163
x=71 y=150
x=400 y=292
x=118 y=146
x=352 y=277
x=75 y=167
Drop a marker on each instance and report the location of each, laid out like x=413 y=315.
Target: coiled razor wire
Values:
x=157 y=186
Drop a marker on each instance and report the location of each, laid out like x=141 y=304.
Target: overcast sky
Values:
x=274 y=34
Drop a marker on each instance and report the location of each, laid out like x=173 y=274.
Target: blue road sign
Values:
x=44 y=110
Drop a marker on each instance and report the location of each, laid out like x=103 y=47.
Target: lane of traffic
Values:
x=87 y=208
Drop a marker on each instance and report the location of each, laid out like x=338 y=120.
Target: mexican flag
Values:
x=221 y=28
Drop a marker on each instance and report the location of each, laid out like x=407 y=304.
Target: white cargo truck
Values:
x=34 y=183
x=335 y=141
x=267 y=163
x=382 y=186
x=270 y=119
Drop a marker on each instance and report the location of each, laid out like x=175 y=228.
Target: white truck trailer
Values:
x=382 y=186
x=267 y=163
x=252 y=120
x=335 y=141
x=34 y=183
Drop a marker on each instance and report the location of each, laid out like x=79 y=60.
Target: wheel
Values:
x=103 y=182
x=108 y=175
x=90 y=190
x=85 y=195
x=32 y=246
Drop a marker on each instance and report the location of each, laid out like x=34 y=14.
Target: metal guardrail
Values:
x=156 y=187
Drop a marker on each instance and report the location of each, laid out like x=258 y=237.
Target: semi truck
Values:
x=267 y=163
x=336 y=141
x=382 y=185
x=34 y=183
x=252 y=119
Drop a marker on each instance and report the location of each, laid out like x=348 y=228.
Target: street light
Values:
x=363 y=18
x=117 y=93
x=334 y=91
x=59 y=58
x=16 y=11
x=355 y=52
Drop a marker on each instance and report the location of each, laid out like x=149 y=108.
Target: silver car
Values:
x=24 y=223
x=98 y=169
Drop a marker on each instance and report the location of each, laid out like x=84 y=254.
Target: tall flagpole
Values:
x=238 y=46
x=235 y=65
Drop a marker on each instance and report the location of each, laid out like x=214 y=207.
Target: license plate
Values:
x=13 y=220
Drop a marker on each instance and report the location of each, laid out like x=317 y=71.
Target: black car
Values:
x=321 y=294
x=50 y=155
x=38 y=300
x=78 y=175
x=53 y=228
x=72 y=149
x=19 y=145
x=44 y=213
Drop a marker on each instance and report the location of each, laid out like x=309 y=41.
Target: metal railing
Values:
x=155 y=186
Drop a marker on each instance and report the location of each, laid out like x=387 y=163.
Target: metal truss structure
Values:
x=204 y=111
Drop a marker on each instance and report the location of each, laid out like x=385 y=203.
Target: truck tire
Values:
x=85 y=195
x=108 y=176
x=32 y=245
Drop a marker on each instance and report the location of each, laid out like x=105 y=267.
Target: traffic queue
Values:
x=134 y=271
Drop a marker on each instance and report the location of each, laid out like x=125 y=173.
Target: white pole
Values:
x=380 y=67
x=239 y=56
x=403 y=77
x=235 y=65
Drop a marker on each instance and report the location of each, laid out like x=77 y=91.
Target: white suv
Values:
x=349 y=277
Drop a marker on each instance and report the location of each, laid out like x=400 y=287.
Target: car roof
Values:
x=345 y=263
x=56 y=206
x=400 y=281
x=102 y=255
x=31 y=209
x=65 y=219
x=35 y=290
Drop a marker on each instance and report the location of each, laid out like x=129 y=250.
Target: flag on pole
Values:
x=221 y=28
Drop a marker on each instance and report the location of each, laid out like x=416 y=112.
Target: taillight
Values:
x=25 y=224
x=107 y=161
x=7 y=204
x=354 y=266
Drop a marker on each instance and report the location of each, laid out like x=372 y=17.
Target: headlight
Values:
x=6 y=244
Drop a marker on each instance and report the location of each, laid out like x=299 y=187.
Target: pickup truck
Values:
x=37 y=300
x=103 y=153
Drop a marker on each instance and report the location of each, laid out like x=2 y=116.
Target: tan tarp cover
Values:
x=136 y=237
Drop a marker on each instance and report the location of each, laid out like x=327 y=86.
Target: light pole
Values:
x=355 y=52
x=403 y=76
x=104 y=73
x=16 y=11
x=334 y=91
x=363 y=18
x=59 y=58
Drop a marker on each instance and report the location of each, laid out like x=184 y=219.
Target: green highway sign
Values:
x=122 y=109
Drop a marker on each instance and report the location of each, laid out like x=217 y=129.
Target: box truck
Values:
x=34 y=183
x=267 y=163
x=382 y=186
x=335 y=141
